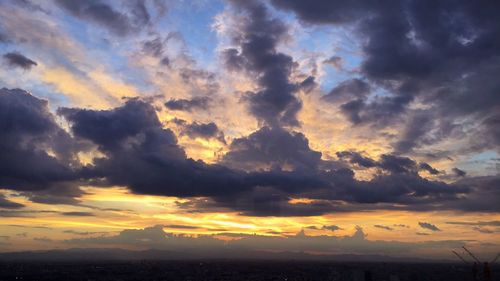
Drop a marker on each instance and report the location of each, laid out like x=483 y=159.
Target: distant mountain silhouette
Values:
x=93 y=254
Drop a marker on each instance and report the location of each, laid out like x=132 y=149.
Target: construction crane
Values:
x=495 y=259
x=474 y=257
x=460 y=257
x=487 y=273
x=471 y=254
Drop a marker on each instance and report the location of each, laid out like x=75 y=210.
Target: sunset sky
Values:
x=319 y=126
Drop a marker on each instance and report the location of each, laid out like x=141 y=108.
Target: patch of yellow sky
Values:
x=115 y=209
x=97 y=91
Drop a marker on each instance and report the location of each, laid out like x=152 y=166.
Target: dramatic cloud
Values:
x=348 y=90
x=391 y=163
x=484 y=193
x=17 y=60
x=257 y=40
x=331 y=227
x=259 y=175
x=458 y=172
x=188 y=105
x=382 y=110
x=7 y=204
x=105 y=15
x=384 y=227
x=445 y=58
x=201 y=130
x=426 y=76
x=356 y=158
x=428 y=226
x=335 y=61
x=320 y=11
x=272 y=148
x=27 y=132
x=144 y=156
x=428 y=168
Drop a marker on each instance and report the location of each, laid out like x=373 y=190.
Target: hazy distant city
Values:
x=235 y=270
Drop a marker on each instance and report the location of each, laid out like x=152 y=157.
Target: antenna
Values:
x=460 y=257
x=471 y=254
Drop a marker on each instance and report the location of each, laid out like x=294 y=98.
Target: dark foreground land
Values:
x=235 y=270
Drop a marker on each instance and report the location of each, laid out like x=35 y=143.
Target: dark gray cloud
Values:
x=331 y=227
x=397 y=164
x=83 y=233
x=348 y=90
x=103 y=14
x=77 y=214
x=7 y=204
x=4 y=38
x=154 y=47
x=188 y=105
x=308 y=84
x=28 y=4
x=428 y=168
x=382 y=111
x=490 y=129
x=428 y=226
x=30 y=226
x=139 y=13
x=15 y=59
x=444 y=55
x=201 y=130
x=143 y=155
x=401 y=225
x=43 y=239
x=24 y=213
x=458 y=172
x=27 y=131
x=257 y=40
x=484 y=194
x=356 y=158
x=321 y=11
x=313 y=227
x=59 y=193
x=403 y=188
x=335 y=61
x=259 y=175
x=389 y=162
x=419 y=124
x=180 y=226
x=384 y=227
x=272 y=148
x=479 y=223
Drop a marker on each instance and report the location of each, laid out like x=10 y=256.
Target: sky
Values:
x=319 y=126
